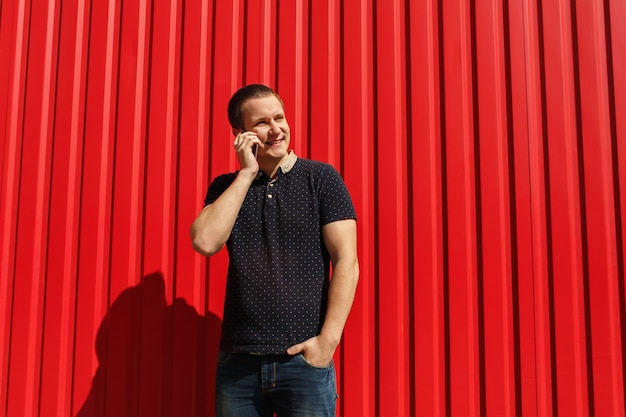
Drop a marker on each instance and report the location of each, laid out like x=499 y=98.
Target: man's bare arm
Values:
x=211 y=229
x=341 y=242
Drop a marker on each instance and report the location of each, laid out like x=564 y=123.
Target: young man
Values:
x=283 y=220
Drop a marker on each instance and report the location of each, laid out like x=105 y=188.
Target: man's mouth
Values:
x=273 y=142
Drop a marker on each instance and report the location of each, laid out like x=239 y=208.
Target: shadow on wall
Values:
x=154 y=359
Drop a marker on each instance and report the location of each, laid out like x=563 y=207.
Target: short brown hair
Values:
x=245 y=93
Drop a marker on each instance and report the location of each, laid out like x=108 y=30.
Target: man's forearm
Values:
x=340 y=298
x=211 y=229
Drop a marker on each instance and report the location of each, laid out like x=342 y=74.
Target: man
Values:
x=283 y=220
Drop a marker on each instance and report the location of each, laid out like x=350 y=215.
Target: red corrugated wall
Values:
x=483 y=142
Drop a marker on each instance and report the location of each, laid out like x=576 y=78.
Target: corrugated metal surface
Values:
x=482 y=142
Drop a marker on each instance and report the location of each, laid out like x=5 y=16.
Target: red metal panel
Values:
x=292 y=68
x=26 y=342
x=325 y=94
x=564 y=217
x=93 y=268
x=429 y=393
x=391 y=237
x=259 y=41
x=481 y=142
x=616 y=68
x=429 y=375
x=226 y=65
x=95 y=203
x=324 y=111
x=129 y=144
x=62 y=233
x=162 y=124
x=462 y=283
x=534 y=112
x=192 y=172
x=523 y=88
x=494 y=212
x=599 y=223
x=358 y=350
x=190 y=286
x=12 y=53
x=121 y=329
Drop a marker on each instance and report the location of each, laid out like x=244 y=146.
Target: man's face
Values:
x=265 y=116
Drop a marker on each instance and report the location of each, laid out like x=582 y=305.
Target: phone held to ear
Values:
x=255 y=148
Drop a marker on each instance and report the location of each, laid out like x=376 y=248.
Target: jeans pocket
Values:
x=222 y=357
x=307 y=363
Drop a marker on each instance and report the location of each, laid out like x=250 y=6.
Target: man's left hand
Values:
x=316 y=351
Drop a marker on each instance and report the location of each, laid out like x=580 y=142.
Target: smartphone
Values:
x=255 y=148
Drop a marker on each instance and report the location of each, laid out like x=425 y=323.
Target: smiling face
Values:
x=265 y=116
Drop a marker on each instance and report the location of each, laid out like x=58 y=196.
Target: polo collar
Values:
x=285 y=166
x=289 y=162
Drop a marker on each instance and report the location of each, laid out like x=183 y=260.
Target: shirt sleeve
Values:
x=335 y=201
x=217 y=187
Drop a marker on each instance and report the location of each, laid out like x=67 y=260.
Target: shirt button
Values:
x=269 y=196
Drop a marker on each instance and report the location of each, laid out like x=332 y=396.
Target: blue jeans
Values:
x=261 y=385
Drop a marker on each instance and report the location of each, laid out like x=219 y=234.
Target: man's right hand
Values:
x=244 y=147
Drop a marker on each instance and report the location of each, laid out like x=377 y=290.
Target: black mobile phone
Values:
x=255 y=148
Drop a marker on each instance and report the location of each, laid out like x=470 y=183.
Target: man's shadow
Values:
x=154 y=359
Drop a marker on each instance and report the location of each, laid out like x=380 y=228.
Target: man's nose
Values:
x=274 y=128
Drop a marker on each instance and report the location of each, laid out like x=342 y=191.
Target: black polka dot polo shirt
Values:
x=278 y=270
